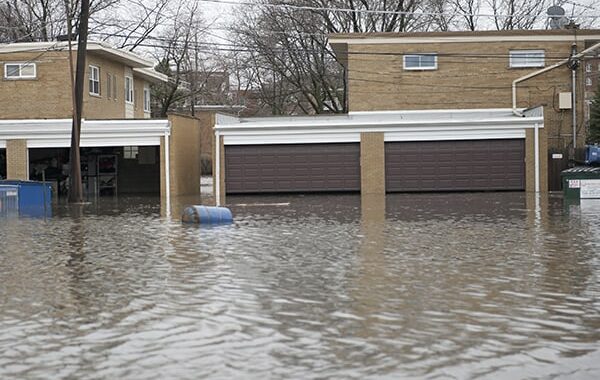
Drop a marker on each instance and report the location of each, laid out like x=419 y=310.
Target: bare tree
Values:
x=175 y=54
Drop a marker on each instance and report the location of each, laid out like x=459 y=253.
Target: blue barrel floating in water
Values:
x=207 y=215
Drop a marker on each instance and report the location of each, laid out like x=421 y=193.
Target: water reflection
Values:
x=499 y=285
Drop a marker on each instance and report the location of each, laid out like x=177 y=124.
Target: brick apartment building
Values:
x=123 y=150
x=435 y=111
x=473 y=70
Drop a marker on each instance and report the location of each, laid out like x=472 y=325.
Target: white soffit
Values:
x=94 y=133
x=396 y=126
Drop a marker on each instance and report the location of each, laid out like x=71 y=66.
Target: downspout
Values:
x=168 y=168
x=545 y=69
x=536 y=155
x=218 y=168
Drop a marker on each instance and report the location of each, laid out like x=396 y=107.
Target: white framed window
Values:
x=527 y=58
x=94 y=80
x=129 y=89
x=426 y=61
x=588 y=67
x=146 y=100
x=588 y=82
x=20 y=70
x=130 y=152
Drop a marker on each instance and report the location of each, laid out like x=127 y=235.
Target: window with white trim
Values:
x=527 y=58
x=588 y=67
x=146 y=100
x=130 y=152
x=420 y=61
x=588 y=82
x=129 y=89
x=94 y=80
x=20 y=70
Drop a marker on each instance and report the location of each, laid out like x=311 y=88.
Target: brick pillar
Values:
x=184 y=157
x=530 y=160
x=372 y=163
x=17 y=160
x=221 y=170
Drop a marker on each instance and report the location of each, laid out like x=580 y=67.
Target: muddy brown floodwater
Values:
x=481 y=285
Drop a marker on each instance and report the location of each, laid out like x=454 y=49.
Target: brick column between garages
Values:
x=372 y=163
x=17 y=160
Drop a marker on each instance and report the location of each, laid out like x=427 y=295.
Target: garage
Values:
x=463 y=165
x=292 y=168
x=379 y=152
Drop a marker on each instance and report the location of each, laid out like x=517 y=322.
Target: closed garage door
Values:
x=455 y=165
x=292 y=168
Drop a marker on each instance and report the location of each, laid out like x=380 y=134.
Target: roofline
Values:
x=151 y=75
x=381 y=120
x=464 y=37
x=125 y=56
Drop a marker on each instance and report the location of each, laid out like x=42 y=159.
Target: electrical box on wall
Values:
x=564 y=100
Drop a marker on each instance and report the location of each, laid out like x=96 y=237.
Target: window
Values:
x=20 y=70
x=146 y=100
x=108 y=85
x=588 y=82
x=526 y=58
x=420 y=61
x=129 y=89
x=130 y=152
x=94 y=79
x=588 y=67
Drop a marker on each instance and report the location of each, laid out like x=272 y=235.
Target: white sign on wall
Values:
x=574 y=184
x=590 y=189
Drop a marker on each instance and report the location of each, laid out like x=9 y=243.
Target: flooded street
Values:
x=480 y=285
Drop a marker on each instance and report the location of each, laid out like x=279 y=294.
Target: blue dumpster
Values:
x=35 y=198
x=592 y=154
x=9 y=200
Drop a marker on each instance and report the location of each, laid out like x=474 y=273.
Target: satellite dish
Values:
x=555 y=11
x=557 y=19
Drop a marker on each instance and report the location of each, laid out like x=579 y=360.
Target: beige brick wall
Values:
x=17 y=160
x=379 y=82
x=372 y=163
x=49 y=95
x=105 y=106
x=138 y=95
x=185 y=155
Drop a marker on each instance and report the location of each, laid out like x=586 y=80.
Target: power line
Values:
x=374 y=11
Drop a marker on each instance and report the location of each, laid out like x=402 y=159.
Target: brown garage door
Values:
x=455 y=165
x=292 y=168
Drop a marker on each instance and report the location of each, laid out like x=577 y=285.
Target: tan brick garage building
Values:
x=174 y=144
x=378 y=152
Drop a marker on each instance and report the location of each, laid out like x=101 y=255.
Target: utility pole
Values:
x=573 y=64
x=76 y=188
